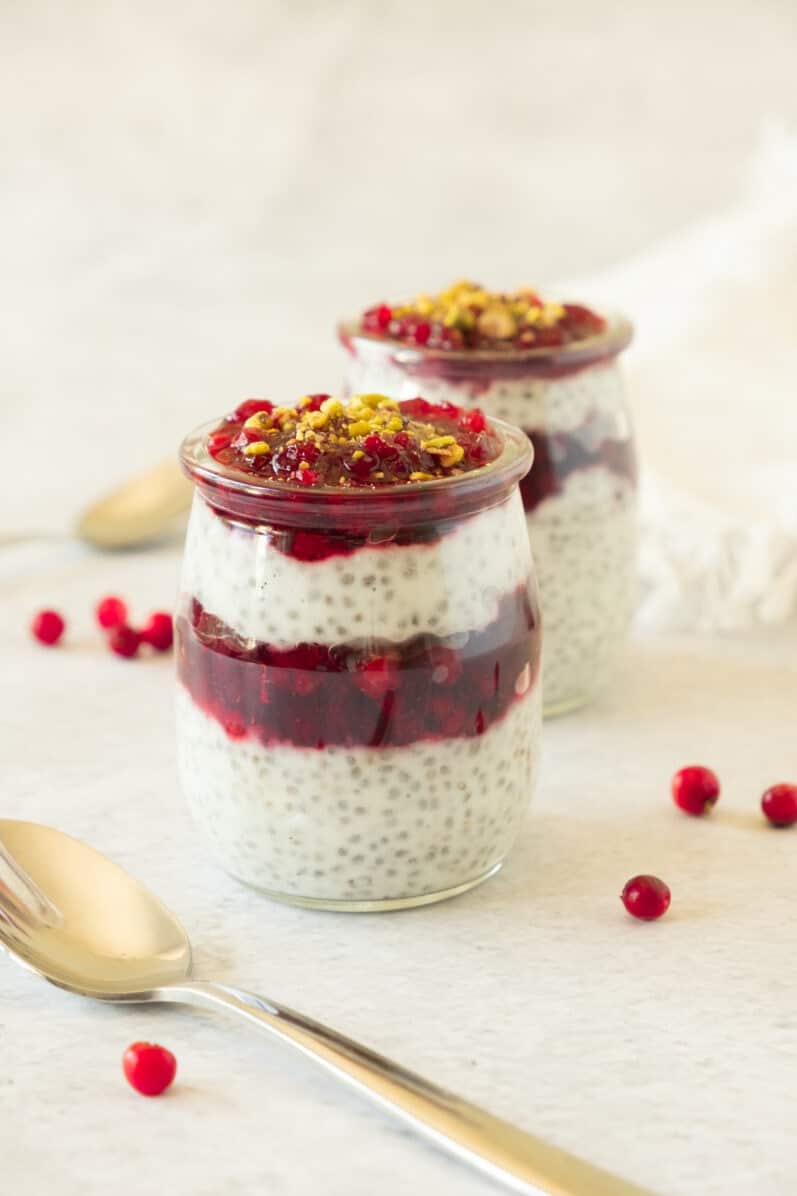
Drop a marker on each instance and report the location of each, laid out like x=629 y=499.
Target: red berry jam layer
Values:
x=383 y=694
x=367 y=441
x=559 y=455
x=468 y=317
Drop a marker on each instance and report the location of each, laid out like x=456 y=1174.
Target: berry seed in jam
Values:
x=467 y=316
x=368 y=440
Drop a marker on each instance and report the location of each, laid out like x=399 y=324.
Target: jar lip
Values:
x=231 y=490
x=617 y=335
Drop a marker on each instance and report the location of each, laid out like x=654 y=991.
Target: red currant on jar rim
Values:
x=695 y=789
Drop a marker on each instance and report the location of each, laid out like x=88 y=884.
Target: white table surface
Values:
x=666 y=1052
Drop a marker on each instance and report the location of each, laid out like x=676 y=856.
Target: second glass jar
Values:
x=580 y=496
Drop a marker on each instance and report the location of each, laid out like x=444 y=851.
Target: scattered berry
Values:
x=779 y=804
x=646 y=897
x=111 y=612
x=48 y=627
x=124 y=641
x=149 y=1068
x=158 y=631
x=695 y=789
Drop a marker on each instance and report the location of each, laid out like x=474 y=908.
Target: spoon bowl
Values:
x=99 y=933
x=140 y=511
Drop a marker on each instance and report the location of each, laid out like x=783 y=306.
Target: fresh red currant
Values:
x=251 y=407
x=158 y=631
x=218 y=442
x=48 y=627
x=111 y=612
x=646 y=897
x=307 y=477
x=376 y=319
x=149 y=1068
x=695 y=789
x=779 y=804
x=124 y=641
x=473 y=420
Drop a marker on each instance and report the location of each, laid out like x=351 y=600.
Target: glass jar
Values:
x=358 y=680
x=580 y=496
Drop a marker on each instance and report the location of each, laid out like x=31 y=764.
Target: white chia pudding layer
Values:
x=583 y=538
x=551 y=404
x=584 y=545
x=444 y=587
x=357 y=825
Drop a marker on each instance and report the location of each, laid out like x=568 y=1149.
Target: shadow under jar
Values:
x=580 y=496
x=358 y=680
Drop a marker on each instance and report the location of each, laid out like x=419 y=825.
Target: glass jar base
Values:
x=383 y=905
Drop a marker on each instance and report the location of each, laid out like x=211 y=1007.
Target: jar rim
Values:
x=289 y=503
x=616 y=337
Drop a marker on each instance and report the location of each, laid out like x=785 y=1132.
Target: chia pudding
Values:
x=551 y=369
x=358 y=648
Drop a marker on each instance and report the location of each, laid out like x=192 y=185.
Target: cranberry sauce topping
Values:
x=466 y=316
x=557 y=455
x=367 y=441
x=370 y=694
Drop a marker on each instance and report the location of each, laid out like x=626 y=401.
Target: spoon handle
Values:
x=502 y=1150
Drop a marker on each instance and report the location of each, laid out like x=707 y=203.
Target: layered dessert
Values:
x=358 y=648
x=551 y=369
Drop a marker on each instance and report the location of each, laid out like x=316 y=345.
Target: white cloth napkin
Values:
x=712 y=377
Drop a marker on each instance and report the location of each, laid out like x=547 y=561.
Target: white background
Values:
x=191 y=193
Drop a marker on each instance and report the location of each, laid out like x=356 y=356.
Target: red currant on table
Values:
x=48 y=627
x=158 y=631
x=646 y=897
x=695 y=789
x=779 y=804
x=149 y=1068
x=124 y=641
x=111 y=612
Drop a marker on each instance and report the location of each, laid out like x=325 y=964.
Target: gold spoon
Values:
x=81 y=922
x=140 y=510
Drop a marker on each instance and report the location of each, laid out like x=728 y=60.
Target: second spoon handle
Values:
x=496 y=1147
